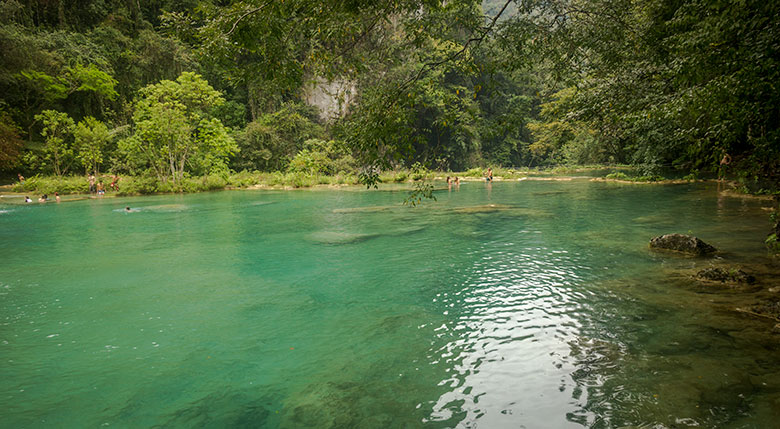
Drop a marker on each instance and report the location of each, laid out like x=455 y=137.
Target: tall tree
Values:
x=91 y=138
x=57 y=130
x=671 y=83
x=10 y=142
x=174 y=124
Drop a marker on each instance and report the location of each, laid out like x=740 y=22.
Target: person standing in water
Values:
x=489 y=175
x=92 y=188
x=57 y=196
x=726 y=160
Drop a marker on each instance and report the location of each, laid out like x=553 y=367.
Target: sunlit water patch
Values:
x=528 y=304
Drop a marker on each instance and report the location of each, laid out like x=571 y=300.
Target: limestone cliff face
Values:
x=333 y=98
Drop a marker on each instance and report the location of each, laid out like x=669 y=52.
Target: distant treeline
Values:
x=175 y=89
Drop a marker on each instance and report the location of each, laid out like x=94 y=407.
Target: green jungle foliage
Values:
x=165 y=91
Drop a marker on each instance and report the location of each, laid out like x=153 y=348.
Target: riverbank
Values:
x=143 y=185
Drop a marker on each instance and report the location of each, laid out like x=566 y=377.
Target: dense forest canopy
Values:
x=167 y=88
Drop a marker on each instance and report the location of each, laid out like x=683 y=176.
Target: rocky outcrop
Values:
x=332 y=97
x=682 y=243
x=733 y=275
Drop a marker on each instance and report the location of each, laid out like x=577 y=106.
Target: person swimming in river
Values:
x=43 y=198
x=27 y=199
x=489 y=175
x=127 y=209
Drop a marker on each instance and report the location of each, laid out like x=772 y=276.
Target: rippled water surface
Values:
x=527 y=304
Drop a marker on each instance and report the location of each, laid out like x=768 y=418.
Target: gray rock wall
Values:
x=333 y=98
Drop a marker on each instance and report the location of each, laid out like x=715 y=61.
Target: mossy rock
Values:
x=717 y=274
x=682 y=243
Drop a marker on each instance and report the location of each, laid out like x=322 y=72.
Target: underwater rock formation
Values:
x=717 y=274
x=682 y=243
x=338 y=237
x=768 y=309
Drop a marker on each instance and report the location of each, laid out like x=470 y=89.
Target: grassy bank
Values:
x=141 y=185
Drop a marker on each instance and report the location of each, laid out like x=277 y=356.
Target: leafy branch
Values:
x=249 y=12
x=472 y=40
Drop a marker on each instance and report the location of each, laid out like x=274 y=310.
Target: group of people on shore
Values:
x=96 y=187
x=100 y=189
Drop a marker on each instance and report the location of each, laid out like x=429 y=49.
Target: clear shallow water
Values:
x=346 y=309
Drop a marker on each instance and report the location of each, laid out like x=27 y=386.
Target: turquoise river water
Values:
x=530 y=304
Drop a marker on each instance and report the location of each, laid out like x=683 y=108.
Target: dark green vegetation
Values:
x=166 y=91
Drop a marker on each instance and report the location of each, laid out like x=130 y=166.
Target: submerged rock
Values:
x=486 y=208
x=654 y=220
x=406 y=230
x=682 y=243
x=337 y=237
x=369 y=209
x=769 y=309
x=498 y=208
x=164 y=208
x=733 y=275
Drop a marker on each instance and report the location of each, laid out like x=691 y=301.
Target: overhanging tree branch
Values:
x=249 y=12
x=472 y=40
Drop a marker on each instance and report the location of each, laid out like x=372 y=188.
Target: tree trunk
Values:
x=61 y=14
x=172 y=163
x=57 y=165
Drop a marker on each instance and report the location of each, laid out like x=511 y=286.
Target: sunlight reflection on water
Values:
x=510 y=357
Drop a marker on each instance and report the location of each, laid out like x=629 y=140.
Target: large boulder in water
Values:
x=682 y=243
